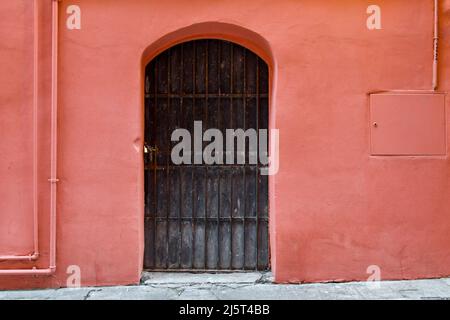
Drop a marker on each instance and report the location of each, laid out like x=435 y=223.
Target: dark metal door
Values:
x=204 y=217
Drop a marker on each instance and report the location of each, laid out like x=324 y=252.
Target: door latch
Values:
x=150 y=151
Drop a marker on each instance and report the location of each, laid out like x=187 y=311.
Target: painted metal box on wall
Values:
x=408 y=124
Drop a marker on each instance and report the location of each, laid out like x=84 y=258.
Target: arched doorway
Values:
x=199 y=216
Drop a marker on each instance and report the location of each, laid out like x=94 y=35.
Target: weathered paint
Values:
x=335 y=210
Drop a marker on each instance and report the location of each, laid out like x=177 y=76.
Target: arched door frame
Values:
x=236 y=34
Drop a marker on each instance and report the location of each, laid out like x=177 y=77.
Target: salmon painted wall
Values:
x=334 y=210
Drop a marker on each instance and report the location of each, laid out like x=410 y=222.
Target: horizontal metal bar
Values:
x=206 y=95
x=214 y=219
x=208 y=270
x=206 y=165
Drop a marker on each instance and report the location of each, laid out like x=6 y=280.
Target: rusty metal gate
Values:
x=204 y=217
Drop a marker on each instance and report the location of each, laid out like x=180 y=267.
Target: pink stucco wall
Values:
x=334 y=209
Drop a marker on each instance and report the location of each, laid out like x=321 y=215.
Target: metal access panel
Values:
x=408 y=124
x=197 y=216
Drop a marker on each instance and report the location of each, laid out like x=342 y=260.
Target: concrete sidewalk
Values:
x=237 y=286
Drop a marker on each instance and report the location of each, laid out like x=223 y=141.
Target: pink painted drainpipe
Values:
x=436 y=45
x=35 y=254
x=53 y=153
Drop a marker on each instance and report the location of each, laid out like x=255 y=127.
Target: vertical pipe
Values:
x=435 y=44
x=35 y=254
x=35 y=128
x=54 y=135
x=53 y=178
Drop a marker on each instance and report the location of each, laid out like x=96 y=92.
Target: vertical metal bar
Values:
x=154 y=157
x=245 y=159
x=219 y=178
x=193 y=167
x=180 y=222
x=206 y=166
x=258 y=164
x=168 y=179
x=234 y=155
x=146 y=167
